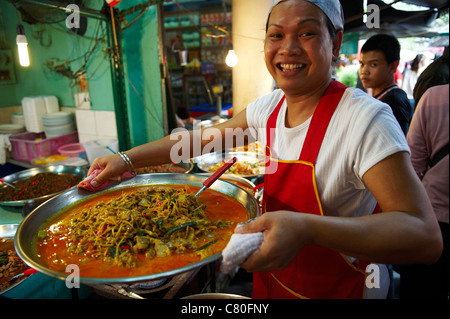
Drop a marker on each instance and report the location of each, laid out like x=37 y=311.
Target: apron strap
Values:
x=272 y=123
x=320 y=120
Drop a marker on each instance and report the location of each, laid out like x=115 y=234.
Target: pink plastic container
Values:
x=24 y=147
x=71 y=150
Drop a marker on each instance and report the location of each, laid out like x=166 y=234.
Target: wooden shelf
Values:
x=186 y=28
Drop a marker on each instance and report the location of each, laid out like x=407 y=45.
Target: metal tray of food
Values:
x=7 y=233
x=28 y=229
x=248 y=164
x=58 y=169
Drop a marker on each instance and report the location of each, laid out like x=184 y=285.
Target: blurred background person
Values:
x=379 y=60
x=428 y=139
x=435 y=74
x=410 y=76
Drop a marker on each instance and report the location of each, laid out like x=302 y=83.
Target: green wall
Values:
x=141 y=60
x=51 y=42
x=55 y=43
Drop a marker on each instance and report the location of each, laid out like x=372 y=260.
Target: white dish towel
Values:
x=239 y=248
x=5 y=145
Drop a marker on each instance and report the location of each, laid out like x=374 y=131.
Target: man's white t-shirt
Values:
x=362 y=132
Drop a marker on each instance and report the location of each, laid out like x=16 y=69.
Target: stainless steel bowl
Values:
x=58 y=169
x=26 y=233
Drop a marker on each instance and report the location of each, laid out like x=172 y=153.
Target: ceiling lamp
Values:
x=231 y=60
x=22 y=46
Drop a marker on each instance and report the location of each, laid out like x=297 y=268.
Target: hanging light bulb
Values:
x=231 y=59
x=22 y=46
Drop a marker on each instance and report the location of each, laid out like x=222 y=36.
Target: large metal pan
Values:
x=26 y=233
x=57 y=169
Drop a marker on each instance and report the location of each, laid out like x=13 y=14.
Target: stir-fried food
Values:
x=241 y=168
x=10 y=263
x=164 y=168
x=255 y=147
x=153 y=222
x=38 y=185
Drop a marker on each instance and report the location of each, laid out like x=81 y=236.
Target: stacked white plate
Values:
x=18 y=118
x=11 y=128
x=58 y=123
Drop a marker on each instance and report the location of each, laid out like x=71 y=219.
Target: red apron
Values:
x=316 y=272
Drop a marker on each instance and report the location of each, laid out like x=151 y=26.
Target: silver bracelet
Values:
x=127 y=161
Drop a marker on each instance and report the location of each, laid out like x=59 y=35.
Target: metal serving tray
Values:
x=7 y=233
x=58 y=169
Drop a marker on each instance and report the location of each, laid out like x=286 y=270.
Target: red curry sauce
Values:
x=53 y=251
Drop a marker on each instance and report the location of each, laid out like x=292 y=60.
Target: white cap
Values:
x=332 y=9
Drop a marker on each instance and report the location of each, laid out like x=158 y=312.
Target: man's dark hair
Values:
x=385 y=43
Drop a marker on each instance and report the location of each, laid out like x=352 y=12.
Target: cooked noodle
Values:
x=154 y=222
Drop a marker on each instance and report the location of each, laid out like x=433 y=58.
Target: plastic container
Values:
x=57 y=118
x=51 y=103
x=34 y=107
x=58 y=130
x=58 y=123
x=71 y=150
x=28 y=146
x=100 y=148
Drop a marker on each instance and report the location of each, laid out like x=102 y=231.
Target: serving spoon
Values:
x=216 y=175
x=8 y=184
x=26 y=273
